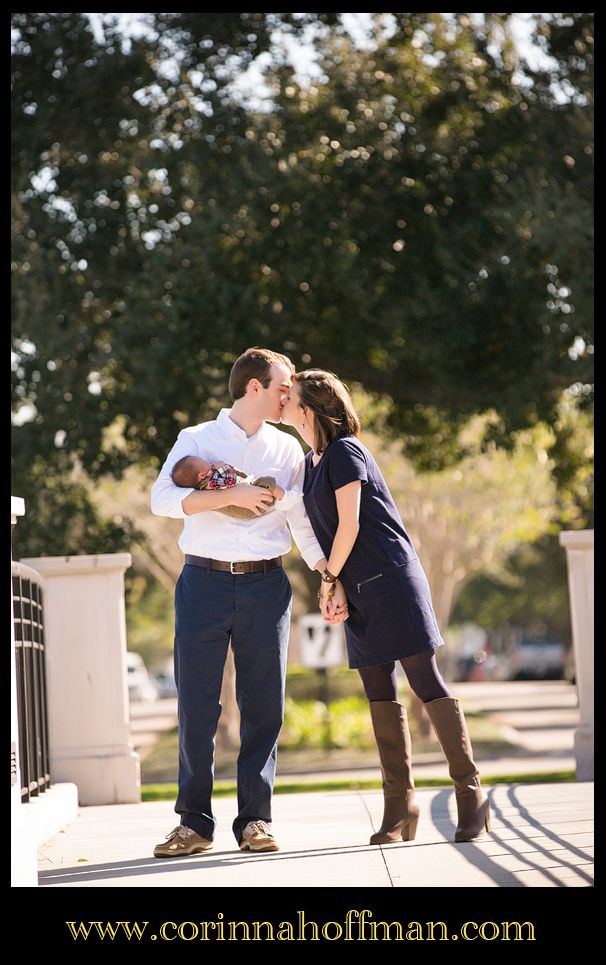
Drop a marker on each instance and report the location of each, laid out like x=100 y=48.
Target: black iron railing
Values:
x=31 y=681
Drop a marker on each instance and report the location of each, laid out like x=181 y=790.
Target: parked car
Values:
x=538 y=658
x=165 y=683
x=140 y=684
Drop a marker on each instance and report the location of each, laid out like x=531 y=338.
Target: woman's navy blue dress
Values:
x=390 y=610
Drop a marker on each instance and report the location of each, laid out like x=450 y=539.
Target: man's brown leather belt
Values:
x=237 y=569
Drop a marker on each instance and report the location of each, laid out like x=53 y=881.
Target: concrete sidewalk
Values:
x=542 y=836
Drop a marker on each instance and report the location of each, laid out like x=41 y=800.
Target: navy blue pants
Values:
x=253 y=611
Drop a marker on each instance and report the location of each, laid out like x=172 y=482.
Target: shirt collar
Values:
x=231 y=429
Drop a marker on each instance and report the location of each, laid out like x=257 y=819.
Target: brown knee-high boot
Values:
x=401 y=813
x=446 y=715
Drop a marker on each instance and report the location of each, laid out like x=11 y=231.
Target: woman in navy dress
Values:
x=375 y=582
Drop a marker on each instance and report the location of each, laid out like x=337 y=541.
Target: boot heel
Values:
x=487 y=816
x=409 y=831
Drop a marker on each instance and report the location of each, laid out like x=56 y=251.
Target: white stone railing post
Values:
x=579 y=553
x=89 y=734
x=24 y=871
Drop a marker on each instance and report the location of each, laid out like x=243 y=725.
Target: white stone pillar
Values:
x=579 y=554
x=89 y=734
x=24 y=872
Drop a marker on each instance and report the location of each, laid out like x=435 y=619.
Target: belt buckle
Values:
x=235 y=572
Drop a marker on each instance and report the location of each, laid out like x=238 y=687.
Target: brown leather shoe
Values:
x=182 y=841
x=257 y=836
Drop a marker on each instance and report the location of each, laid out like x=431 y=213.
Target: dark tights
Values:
x=421 y=670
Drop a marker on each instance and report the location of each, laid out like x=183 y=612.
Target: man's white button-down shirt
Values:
x=217 y=536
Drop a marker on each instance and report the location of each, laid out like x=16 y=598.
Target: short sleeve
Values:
x=346 y=463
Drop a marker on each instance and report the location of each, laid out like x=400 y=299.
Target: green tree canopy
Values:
x=416 y=217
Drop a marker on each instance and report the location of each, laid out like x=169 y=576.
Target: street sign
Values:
x=321 y=644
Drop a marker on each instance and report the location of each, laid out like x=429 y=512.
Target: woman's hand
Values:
x=325 y=594
x=333 y=602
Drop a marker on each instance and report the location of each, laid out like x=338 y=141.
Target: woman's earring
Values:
x=303 y=424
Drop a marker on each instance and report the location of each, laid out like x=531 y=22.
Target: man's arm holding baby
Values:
x=247 y=496
x=176 y=502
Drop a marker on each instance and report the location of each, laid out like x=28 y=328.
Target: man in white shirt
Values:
x=233 y=587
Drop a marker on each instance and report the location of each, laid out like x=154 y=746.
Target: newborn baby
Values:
x=193 y=472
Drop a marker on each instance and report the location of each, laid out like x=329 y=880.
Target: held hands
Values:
x=333 y=602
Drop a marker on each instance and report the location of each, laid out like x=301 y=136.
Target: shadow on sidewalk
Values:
x=565 y=844
x=213 y=860
x=524 y=843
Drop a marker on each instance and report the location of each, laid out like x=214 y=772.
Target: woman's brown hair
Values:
x=330 y=402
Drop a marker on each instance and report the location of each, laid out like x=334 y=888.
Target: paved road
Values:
x=539 y=717
x=149 y=719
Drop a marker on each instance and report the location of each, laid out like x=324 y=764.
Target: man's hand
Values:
x=338 y=610
x=251 y=497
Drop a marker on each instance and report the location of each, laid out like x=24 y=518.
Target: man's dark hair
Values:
x=254 y=363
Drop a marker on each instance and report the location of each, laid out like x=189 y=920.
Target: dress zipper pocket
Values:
x=372 y=578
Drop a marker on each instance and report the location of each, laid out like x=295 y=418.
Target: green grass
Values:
x=168 y=792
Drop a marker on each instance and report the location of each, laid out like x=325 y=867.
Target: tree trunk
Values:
x=423 y=727
x=228 y=730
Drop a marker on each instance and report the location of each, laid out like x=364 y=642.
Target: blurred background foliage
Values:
x=412 y=210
